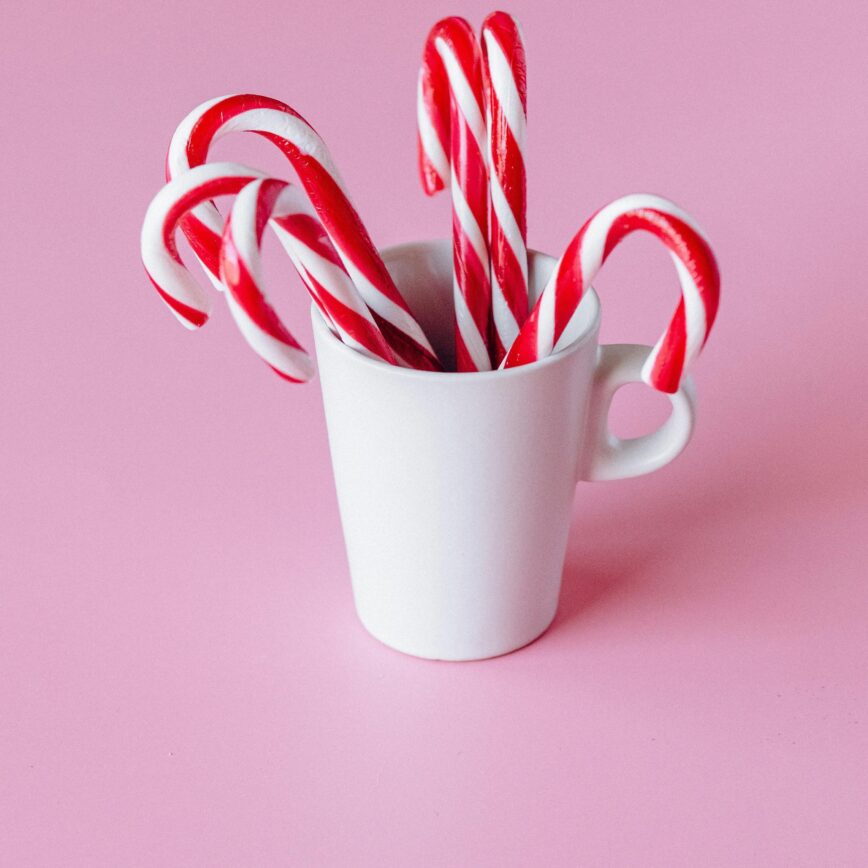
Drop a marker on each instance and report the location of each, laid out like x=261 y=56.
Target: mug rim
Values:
x=397 y=250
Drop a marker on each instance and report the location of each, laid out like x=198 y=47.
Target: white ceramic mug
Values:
x=456 y=490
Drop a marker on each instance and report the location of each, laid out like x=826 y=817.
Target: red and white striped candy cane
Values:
x=319 y=176
x=176 y=286
x=547 y=330
x=314 y=257
x=179 y=289
x=505 y=72
x=451 y=122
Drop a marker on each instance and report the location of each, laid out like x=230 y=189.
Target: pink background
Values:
x=184 y=681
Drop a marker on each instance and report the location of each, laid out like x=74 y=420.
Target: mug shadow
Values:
x=610 y=555
x=591 y=581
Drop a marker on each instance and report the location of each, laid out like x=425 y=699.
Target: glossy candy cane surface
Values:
x=452 y=153
x=505 y=74
x=257 y=321
x=170 y=277
x=318 y=175
x=548 y=328
x=313 y=255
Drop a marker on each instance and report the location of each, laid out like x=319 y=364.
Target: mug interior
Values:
x=422 y=271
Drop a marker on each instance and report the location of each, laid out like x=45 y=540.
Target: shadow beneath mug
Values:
x=618 y=554
x=596 y=577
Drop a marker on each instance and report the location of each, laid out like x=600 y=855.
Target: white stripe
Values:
x=694 y=312
x=243 y=228
x=287 y=359
x=468 y=222
x=433 y=149
x=306 y=261
x=284 y=126
x=177 y=159
x=504 y=322
x=177 y=163
x=305 y=279
x=385 y=307
x=594 y=243
x=170 y=275
x=312 y=265
x=473 y=341
x=508 y=224
x=695 y=323
x=639 y=201
x=332 y=277
x=575 y=327
x=546 y=316
x=507 y=95
x=503 y=84
x=350 y=286
x=594 y=240
x=591 y=254
x=308 y=142
x=336 y=328
x=462 y=93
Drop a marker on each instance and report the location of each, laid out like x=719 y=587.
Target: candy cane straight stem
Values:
x=312 y=162
x=451 y=121
x=505 y=74
x=548 y=328
x=241 y=270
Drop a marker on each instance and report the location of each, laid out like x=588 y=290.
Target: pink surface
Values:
x=184 y=681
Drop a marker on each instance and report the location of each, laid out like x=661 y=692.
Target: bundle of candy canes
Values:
x=472 y=114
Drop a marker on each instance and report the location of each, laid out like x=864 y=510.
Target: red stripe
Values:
x=204 y=243
x=252 y=299
x=248 y=294
x=208 y=190
x=504 y=28
x=463 y=359
x=282 y=375
x=507 y=270
x=468 y=164
x=349 y=235
x=206 y=127
x=472 y=276
x=410 y=351
x=308 y=230
x=266 y=196
x=336 y=213
x=507 y=164
x=524 y=349
x=569 y=287
x=435 y=96
x=668 y=367
x=195 y=317
x=340 y=219
x=192 y=198
x=360 y=329
x=472 y=175
x=679 y=237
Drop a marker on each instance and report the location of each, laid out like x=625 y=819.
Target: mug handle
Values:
x=609 y=457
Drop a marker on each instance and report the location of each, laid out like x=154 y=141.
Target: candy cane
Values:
x=314 y=257
x=319 y=176
x=178 y=288
x=505 y=73
x=548 y=330
x=451 y=121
